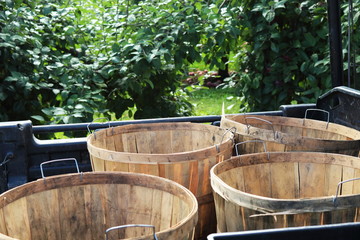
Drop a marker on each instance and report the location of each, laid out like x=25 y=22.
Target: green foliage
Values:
x=66 y=61
x=158 y=41
x=45 y=74
x=286 y=56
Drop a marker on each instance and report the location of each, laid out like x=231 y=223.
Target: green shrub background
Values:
x=68 y=61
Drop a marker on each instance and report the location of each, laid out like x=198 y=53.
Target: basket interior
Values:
x=300 y=127
x=85 y=212
x=157 y=140
x=292 y=180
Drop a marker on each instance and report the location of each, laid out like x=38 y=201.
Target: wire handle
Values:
x=260 y=141
x=338 y=187
x=263 y=120
x=130 y=225
x=7 y=158
x=58 y=160
x=88 y=126
x=319 y=110
x=232 y=130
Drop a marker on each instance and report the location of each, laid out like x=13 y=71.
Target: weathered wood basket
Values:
x=285 y=189
x=183 y=152
x=84 y=206
x=282 y=134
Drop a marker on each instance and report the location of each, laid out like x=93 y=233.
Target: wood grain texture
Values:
x=294 y=134
x=182 y=152
x=285 y=189
x=83 y=206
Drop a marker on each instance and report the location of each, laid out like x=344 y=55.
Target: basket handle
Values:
x=261 y=141
x=319 y=110
x=130 y=225
x=263 y=120
x=93 y=121
x=232 y=130
x=58 y=160
x=338 y=188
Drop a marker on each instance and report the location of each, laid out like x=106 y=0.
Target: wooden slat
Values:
x=17 y=221
x=116 y=166
x=333 y=176
x=208 y=164
x=234 y=178
x=193 y=177
x=43 y=211
x=139 y=211
x=3 y=229
x=356 y=186
x=233 y=221
x=161 y=141
x=220 y=213
x=118 y=140
x=97 y=164
x=181 y=173
x=129 y=142
x=72 y=214
x=347 y=188
x=166 y=210
x=156 y=209
x=201 y=174
x=143 y=142
x=284 y=182
x=311 y=173
x=181 y=141
x=110 y=143
x=257 y=180
x=176 y=209
x=151 y=169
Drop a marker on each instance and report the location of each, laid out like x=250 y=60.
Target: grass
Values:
x=209 y=101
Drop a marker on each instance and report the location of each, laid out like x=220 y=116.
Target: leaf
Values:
x=69 y=30
x=115 y=48
x=274 y=47
x=116 y=59
x=220 y=37
x=269 y=15
x=38 y=118
x=280 y=4
x=131 y=18
x=309 y=39
x=150 y=83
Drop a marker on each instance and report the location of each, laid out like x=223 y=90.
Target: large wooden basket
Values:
x=291 y=134
x=86 y=206
x=182 y=152
x=285 y=189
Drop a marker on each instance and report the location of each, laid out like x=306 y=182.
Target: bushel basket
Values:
x=285 y=189
x=282 y=134
x=182 y=152
x=94 y=205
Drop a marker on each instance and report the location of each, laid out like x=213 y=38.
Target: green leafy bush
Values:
x=45 y=74
x=286 y=55
x=68 y=61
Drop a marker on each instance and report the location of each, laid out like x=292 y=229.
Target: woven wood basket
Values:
x=282 y=134
x=182 y=152
x=285 y=189
x=86 y=206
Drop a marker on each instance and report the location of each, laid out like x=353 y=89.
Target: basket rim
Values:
x=275 y=206
x=293 y=122
x=89 y=178
x=165 y=158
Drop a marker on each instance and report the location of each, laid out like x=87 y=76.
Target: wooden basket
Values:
x=84 y=206
x=285 y=189
x=182 y=152
x=282 y=134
